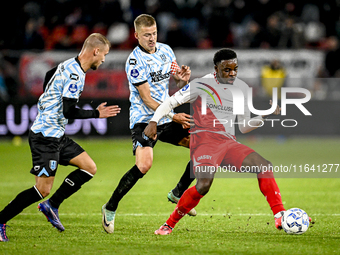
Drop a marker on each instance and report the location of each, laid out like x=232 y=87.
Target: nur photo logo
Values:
x=239 y=104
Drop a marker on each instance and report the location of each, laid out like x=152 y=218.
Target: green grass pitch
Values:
x=233 y=218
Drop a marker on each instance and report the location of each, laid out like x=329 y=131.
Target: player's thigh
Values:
x=236 y=155
x=255 y=159
x=174 y=133
x=84 y=161
x=72 y=153
x=144 y=158
x=207 y=149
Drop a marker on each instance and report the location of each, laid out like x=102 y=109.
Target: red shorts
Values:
x=217 y=150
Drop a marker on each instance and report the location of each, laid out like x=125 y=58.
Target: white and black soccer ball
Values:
x=295 y=221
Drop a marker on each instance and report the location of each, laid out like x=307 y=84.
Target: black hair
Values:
x=224 y=54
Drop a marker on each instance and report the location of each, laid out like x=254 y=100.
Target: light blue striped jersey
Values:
x=67 y=81
x=155 y=69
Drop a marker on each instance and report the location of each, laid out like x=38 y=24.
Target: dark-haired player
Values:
x=148 y=69
x=213 y=143
x=49 y=145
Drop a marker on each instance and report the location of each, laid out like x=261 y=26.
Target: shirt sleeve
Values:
x=136 y=71
x=73 y=86
x=187 y=94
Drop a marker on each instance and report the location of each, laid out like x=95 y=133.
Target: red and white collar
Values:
x=216 y=78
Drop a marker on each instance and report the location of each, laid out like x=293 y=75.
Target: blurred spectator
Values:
x=254 y=36
x=208 y=23
x=219 y=24
x=262 y=9
x=32 y=39
x=273 y=76
x=292 y=36
x=118 y=33
x=190 y=17
x=177 y=38
x=4 y=97
x=165 y=13
x=9 y=76
x=272 y=31
x=63 y=38
x=332 y=63
x=138 y=7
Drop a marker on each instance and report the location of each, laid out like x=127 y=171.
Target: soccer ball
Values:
x=295 y=221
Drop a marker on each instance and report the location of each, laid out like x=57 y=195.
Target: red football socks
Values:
x=271 y=191
x=189 y=200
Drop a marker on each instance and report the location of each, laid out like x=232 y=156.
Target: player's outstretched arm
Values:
x=255 y=122
x=71 y=111
x=108 y=111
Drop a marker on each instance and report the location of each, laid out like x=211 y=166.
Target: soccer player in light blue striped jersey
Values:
x=148 y=69
x=49 y=146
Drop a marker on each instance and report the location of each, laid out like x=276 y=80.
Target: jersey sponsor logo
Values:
x=74 y=76
x=53 y=165
x=158 y=76
x=132 y=61
x=134 y=73
x=209 y=93
x=204 y=157
x=185 y=87
x=220 y=107
x=73 y=88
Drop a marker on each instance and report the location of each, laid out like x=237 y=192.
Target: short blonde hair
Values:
x=144 y=20
x=95 y=40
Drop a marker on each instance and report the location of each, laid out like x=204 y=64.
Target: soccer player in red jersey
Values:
x=213 y=142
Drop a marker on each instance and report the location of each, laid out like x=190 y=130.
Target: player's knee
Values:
x=44 y=191
x=203 y=186
x=144 y=167
x=91 y=168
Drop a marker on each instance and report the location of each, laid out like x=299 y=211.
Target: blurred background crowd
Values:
x=63 y=24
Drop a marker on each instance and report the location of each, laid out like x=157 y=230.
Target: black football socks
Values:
x=184 y=182
x=19 y=203
x=71 y=184
x=126 y=183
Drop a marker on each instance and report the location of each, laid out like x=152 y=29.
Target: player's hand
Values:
x=151 y=130
x=108 y=111
x=183 y=75
x=277 y=110
x=184 y=119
